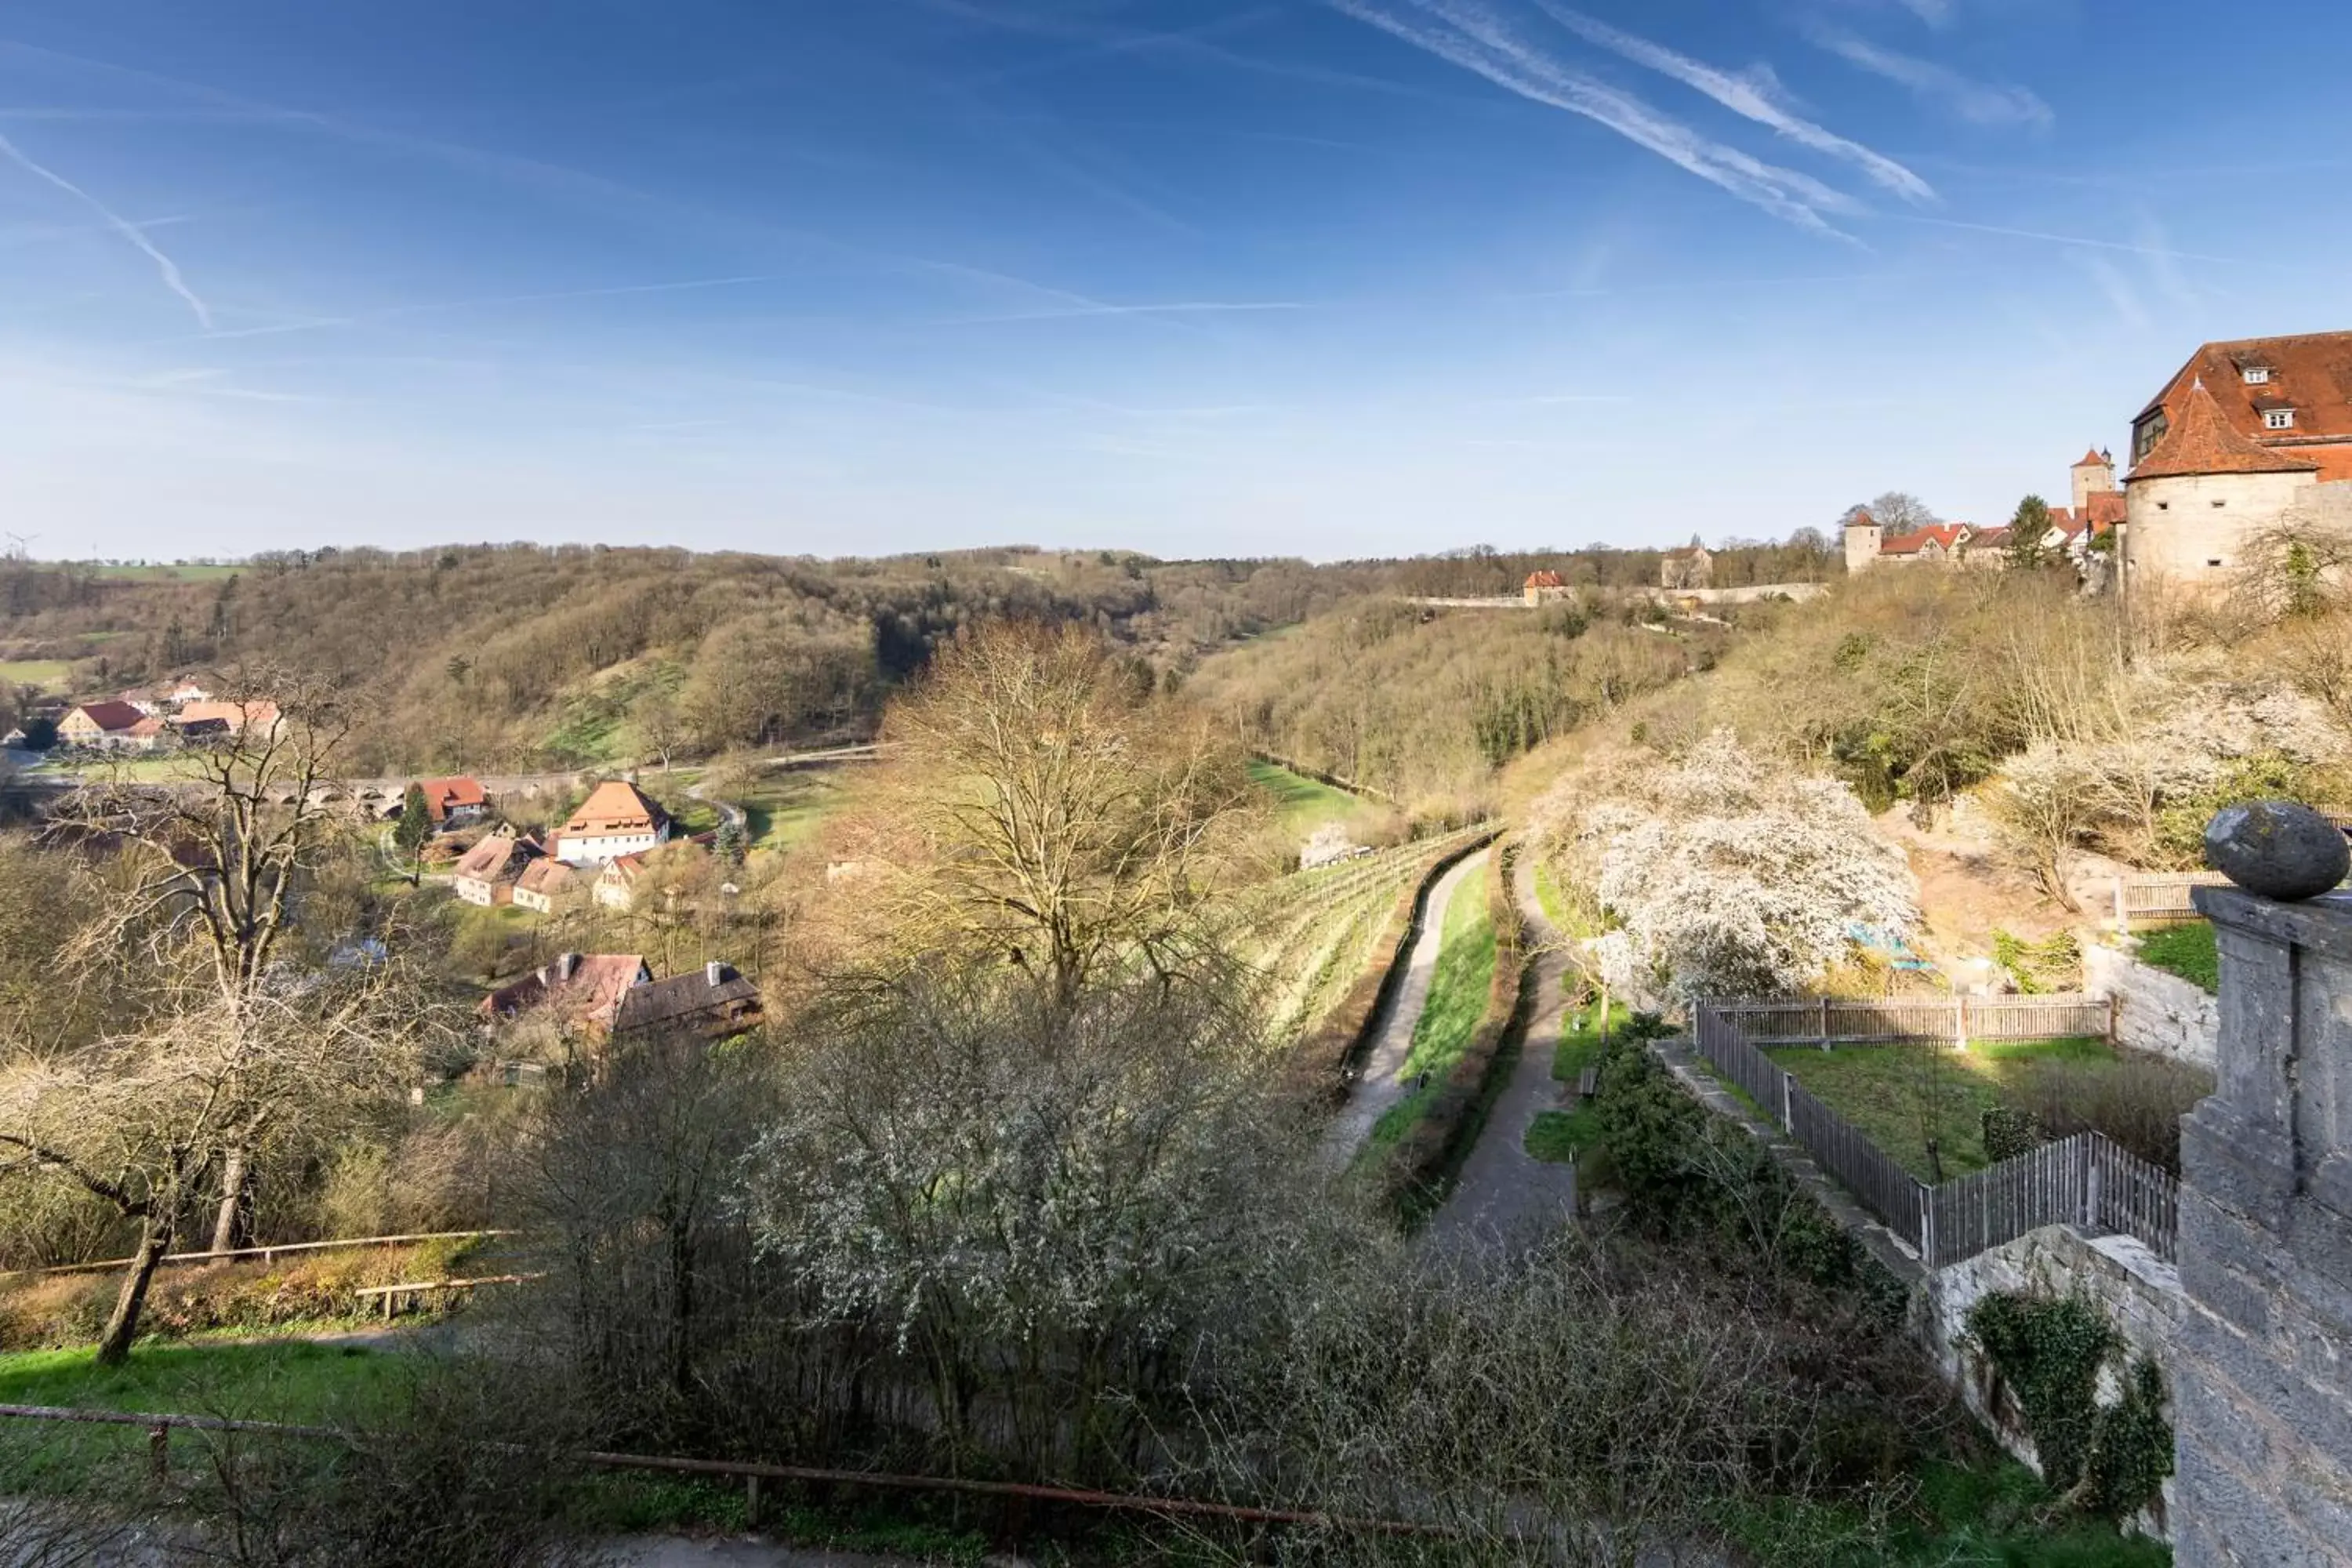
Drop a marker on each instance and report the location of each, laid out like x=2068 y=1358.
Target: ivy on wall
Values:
x=2108 y=1460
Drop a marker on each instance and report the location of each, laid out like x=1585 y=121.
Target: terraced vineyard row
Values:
x=1309 y=935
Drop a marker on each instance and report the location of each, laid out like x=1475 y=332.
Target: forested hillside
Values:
x=514 y=656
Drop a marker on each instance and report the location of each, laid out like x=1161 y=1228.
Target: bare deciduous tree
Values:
x=1047 y=817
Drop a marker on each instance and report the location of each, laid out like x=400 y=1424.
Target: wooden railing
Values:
x=1016 y=1495
x=1839 y=1021
x=2159 y=896
x=2084 y=1180
x=268 y=1255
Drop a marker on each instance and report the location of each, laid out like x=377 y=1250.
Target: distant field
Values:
x=49 y=674
x=1303 y=804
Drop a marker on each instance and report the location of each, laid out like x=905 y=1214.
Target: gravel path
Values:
x=1381 y=1085
x=1506 y=1195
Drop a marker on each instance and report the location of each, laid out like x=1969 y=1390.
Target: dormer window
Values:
x=2278 y=419
x=2256 y=374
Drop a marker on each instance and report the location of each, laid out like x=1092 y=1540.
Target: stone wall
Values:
x=2262 y=1381
x=2157 y=1012
x=2137 y=1292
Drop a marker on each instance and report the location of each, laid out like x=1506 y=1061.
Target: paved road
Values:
x=1381 y=1085
x=1506 y=1195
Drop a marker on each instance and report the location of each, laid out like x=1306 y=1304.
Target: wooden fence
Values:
x=267 y=1255
x=2084 y=1180
x=1834 y=1021
x=2159 y=896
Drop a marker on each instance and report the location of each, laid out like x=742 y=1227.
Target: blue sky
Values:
x=1195 y=277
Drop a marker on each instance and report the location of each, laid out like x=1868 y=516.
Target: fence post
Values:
x=2114 y=1018
x=1788 y=1116
x=751 y=1501
x=159 y=1453
x=1926 y=1224
x=2090 y=1184
x=1960 y=1024
x=1825 y=1023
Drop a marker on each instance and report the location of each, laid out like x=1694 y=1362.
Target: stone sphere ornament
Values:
x=2278 y=849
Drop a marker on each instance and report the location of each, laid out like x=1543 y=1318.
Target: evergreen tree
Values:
x=414 y=828
x=2026 y=530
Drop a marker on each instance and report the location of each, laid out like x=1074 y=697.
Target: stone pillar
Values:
x=2263 y=1384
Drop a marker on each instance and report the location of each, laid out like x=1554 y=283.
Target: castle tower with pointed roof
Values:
x=2202 y=493
x=2094 y=475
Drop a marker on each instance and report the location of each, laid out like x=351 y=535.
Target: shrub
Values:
x=2108 y=1460
x=2137 y=1101
x=2009 y=1133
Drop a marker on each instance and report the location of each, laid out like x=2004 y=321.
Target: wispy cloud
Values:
x=2119 y=291
x=168 y=268
x=1480 y=42
x=1095 y=308
x=1977 y=103
x=2083 y=241
x=394 y=313
x=1755 y=95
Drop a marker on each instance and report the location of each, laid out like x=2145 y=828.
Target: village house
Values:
x=616 y=884
x=544 y=883
x=1690 y=566
x=103 y=727
x=2247 y=437
x=582 y=991
x=713 y=1002
x=485 y=874
x=2097 y=508
x=616 y=819
x=451 y=801
x=1542 y=586
x=185 y=690
x=254 y=714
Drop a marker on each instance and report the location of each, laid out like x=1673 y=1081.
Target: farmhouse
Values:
x=252 y=713
x=104 y=726
x=1542 y=585
x=616 y=884
x=1691 y=566
x=616 y=819
x=582 y=991
x=543 y=882
x=714 y=1002
x=452 y=802
x=485 y=874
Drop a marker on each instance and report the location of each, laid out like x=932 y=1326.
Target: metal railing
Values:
x=2084 y=1180
x=266 y=1255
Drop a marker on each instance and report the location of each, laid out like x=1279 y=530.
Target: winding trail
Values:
x=1382 y=1085
x=1507 y=1196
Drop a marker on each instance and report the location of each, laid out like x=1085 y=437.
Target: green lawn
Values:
x=787 y=805
x=1898 y=1094
x=1302 y=804
x=136 y=768
x=48 y=674
x=2185 y=950
x=1457 y=1000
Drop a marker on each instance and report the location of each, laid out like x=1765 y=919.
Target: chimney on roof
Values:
x=714 y=971
x=567 y=965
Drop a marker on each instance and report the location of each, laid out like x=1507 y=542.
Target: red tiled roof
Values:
x=2200 y=439
x=2311 y=374
x=1944 y=536
x=1681 y=551
x=236 y=715
x=443 y=795
x=1545 y=580
x=1990 y=538
x=614 y=806
x=498 y=856
x=582 y=987
x=2091 y=459
x=545 y=878
x=110 y=716
x=147 y=729
x=2106 y=508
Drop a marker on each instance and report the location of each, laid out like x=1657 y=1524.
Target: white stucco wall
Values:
x=2157 y=1012
x=2180 y=528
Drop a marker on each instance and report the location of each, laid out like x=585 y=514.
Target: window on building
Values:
x=2220 y=503
x=2258 y=375
x=2146 y=433
x=2278 y=419
x=2164 y=505
x=2212 y=561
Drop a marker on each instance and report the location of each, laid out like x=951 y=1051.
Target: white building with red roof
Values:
x=617 y=818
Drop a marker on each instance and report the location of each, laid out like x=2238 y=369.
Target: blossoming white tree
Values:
x=1726 y=875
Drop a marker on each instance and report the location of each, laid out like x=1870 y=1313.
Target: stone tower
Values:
x=2263 y=1380
x=2094 y=474
x=1861 y=539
